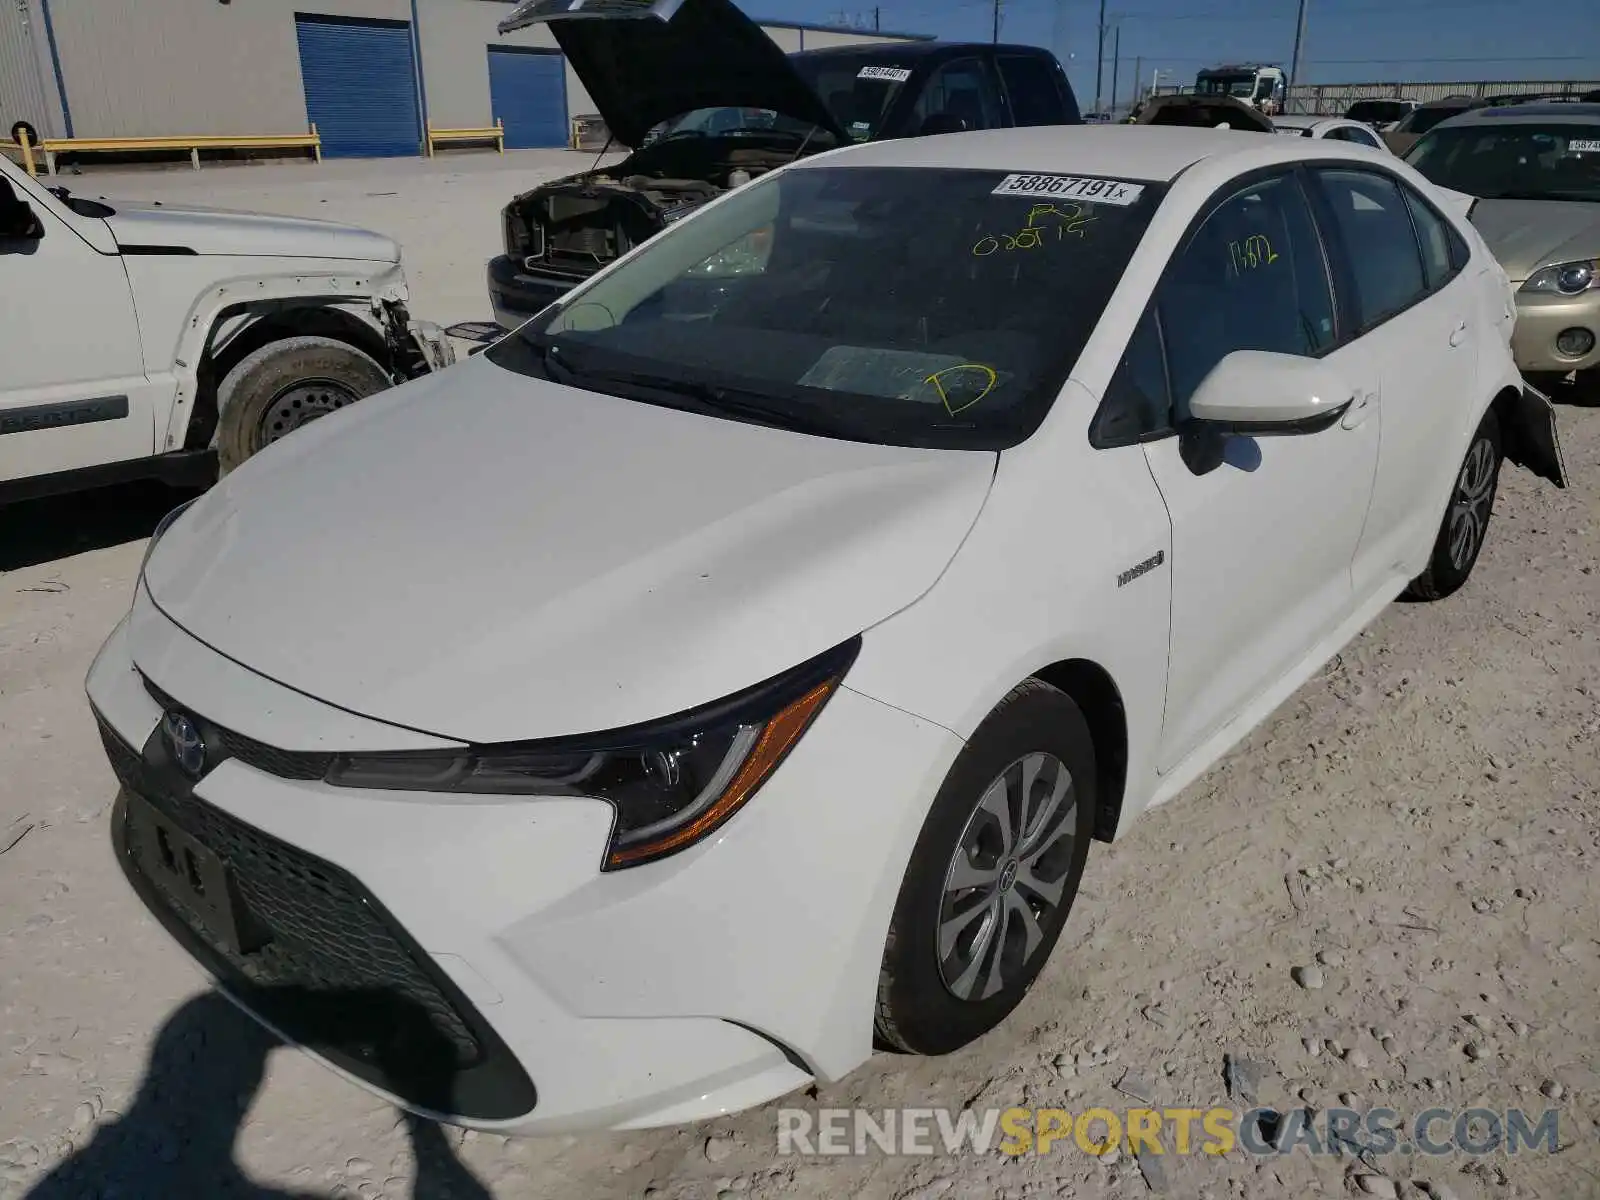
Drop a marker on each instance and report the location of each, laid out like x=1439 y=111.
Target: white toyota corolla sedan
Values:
x=733 y=665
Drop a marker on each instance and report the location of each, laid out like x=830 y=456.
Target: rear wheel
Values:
x=993 y=875
x=287 y=384
x=1466 y=520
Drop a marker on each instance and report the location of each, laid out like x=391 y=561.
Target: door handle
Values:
x=1458 y=334
x=1362 y=407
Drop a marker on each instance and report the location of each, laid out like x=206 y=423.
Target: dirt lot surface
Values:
x=1388 y=896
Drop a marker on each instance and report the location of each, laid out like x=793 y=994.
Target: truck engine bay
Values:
x=574 y=226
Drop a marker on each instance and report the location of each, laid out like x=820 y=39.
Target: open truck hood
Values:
x=1204 y=112
x=647 y=61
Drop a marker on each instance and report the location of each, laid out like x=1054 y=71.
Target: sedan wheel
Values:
x=1005 y=883
x=993 y=874
x=1466 y=520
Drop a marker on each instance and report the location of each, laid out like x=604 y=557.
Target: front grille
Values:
x=324 y=963
x=224 y=743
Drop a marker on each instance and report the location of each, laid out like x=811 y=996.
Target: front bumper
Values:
x=1540 y=320
x=515 y=295
x=719 y=978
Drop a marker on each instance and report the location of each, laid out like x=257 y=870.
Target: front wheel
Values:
x=993 y=875
x=287 y=384
x=1466 y=520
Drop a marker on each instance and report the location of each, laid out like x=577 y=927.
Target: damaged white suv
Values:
x=145 y=341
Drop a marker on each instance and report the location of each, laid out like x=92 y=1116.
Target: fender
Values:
x=209 y=324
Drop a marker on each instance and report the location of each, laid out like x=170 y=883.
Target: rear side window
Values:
x=1035 y=90
x=1380 y=248
x=1443 y=251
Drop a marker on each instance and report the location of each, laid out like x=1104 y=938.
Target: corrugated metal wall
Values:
x=150 y=67
x=24 y=92
x=1334 y=98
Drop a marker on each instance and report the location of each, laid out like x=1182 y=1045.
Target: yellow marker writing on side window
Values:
x=948 y=379
x=1255 y=251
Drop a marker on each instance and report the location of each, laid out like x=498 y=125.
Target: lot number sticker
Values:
x=897 y=74
x=1583 y=146
x=1071 y=187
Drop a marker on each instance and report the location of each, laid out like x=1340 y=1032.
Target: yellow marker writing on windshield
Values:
x=941 y=382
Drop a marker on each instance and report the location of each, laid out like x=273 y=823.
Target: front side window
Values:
x=1380 y=247
x=1035 y=90
x=1240 y=86
x=963 y=90
x=906 y=306
x=1518 y=160
x=1253 y=277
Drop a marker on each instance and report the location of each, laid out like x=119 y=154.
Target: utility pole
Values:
x=997 y=20
x=877 y=19
x=1138 y=75
x=1116 y=61
x=1100 y=56
x=1294 y=63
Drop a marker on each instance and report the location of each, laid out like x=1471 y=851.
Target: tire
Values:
x=933 y=1005
x=287 y=384
x=1466 y=518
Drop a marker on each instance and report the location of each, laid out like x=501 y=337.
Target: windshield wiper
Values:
x=1551 y=194
x=690 y=395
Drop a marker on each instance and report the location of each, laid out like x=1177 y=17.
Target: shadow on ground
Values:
x=41 y=531
x=176 y=1140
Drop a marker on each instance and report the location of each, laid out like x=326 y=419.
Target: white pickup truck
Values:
x=148 y=341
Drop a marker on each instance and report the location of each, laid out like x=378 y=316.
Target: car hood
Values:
x=1528 y=234
x=647 y=61
x=220 y=231
x=490 y=557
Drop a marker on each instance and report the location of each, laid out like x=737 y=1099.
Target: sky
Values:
x=1346 y=40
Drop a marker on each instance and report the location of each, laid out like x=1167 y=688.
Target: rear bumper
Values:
x=1542 y=318
x=515 y=295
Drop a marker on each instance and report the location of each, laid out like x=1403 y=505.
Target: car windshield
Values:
x=1423 y=119
x=1242 y=86
x=1514 y=161
x=859 y=89
x=1377 y=110
x=916 y=307
x=726 y=122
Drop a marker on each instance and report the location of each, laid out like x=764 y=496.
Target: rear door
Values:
x=73 y=391
x=1416 y=318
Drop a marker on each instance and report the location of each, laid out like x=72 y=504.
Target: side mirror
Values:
x=941 y=122
x=18 y=222
x=1258 y=393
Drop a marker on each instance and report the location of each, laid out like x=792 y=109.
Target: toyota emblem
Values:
x=184 y=743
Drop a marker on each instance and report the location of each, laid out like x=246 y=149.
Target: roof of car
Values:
x=1155 y=153
x=911 y=50
x=1545 y=113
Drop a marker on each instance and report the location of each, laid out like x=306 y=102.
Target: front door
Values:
x=1263 y=544
x=73 y=391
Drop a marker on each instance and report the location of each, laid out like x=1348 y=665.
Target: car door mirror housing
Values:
x=1258 y=393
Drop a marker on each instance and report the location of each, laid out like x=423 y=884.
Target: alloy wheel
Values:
x=1469 y=508
x=1003 y=888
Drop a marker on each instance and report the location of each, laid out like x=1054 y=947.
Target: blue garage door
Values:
x=361 y=86
x=528 y=89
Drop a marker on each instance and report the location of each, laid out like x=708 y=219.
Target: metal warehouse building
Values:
x=368 y=73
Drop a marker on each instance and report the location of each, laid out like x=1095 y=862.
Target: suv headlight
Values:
x=161 y=528
x=1565 y=279
x=671 y=783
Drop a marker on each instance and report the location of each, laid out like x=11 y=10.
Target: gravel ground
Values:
x=1387 y=896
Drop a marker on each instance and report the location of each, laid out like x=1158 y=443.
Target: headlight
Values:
x=671 y=783
x=162 y=526
x=1565 y=279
